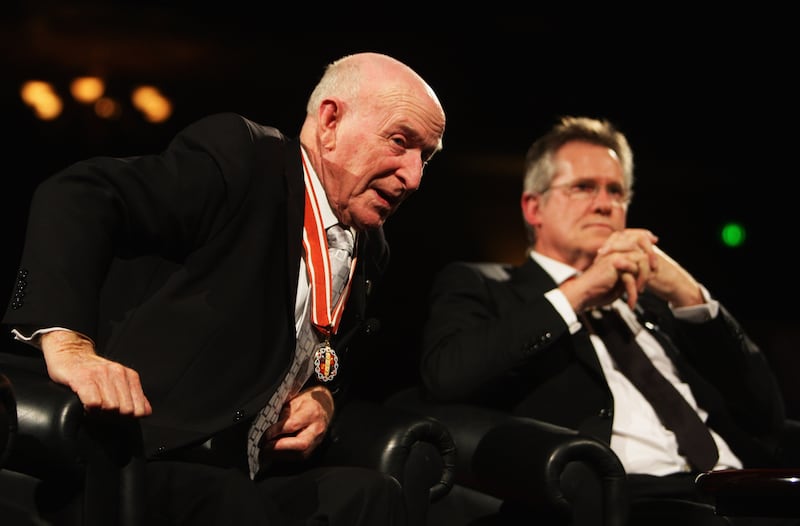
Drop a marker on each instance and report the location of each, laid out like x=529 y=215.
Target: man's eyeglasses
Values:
x=586 y=189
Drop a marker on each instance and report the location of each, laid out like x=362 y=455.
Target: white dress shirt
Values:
x=641 y=442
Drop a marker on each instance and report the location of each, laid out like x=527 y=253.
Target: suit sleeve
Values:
x=105 y=207
x=480 y=336
x=733 y=363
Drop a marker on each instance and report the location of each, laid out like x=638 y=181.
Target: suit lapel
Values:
x=530 y=281
x=295 y=203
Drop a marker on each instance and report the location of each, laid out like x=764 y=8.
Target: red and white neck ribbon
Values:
x=324 y=316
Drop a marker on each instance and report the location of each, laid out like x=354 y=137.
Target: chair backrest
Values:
x=491 y=270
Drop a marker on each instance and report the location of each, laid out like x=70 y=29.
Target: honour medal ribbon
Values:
x=324 y=315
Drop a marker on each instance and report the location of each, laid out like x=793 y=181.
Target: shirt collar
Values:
x=560 y=272
x=328 y=217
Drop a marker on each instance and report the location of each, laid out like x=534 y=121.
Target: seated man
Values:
x=195 y=290
x=531 y=344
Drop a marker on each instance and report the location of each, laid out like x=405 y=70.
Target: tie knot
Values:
x=341 y=238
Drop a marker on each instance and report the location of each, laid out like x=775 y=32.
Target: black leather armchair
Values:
x=8 y=418
x=490 y=471
x=65 y=466
x=556 y=459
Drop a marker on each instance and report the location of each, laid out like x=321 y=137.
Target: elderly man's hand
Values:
x=300 y=428
x=99 y=383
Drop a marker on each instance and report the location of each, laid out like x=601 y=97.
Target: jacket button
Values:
x=19 y=289
x=606 y=413
x=534 y=345
x=238 y=415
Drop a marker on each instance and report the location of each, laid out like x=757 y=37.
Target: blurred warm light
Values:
x=107 y=108
x=33 y=90
x=47 y=105
x=87 y=89
x=153 y=105
x=41 y=96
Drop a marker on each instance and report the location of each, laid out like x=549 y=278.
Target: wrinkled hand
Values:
x=99 y=383
x=633 y=250
x=672 y=283
x=301 y=426
x=630 y=262
x=624 y=264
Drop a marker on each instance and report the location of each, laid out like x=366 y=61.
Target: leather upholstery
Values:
x=489 y=467
x=69 y=467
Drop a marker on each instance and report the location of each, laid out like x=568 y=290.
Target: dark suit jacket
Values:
x=183 y=266
x=493 y=338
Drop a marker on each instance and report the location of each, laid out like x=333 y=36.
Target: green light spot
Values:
x=733 y=235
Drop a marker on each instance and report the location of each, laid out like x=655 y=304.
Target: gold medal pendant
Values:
x=326 y=363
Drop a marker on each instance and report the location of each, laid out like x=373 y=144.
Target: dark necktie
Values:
x=694 y=439
x=340 y=247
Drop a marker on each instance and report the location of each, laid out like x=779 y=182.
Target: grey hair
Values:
x=341 y=78
x=540 y=168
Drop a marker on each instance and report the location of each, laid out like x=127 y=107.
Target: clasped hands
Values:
x=628 y=263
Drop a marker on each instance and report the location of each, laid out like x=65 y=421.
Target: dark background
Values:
x=709 y=104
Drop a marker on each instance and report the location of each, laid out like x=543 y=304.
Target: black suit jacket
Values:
x=183 y=266
x=493 y=338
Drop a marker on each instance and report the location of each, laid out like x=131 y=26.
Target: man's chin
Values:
x=371 y=223
x=371 y=219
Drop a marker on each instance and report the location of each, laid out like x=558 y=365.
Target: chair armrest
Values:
x=55 y=436
x=524 y=459
x=414 y=449
x=72 y=452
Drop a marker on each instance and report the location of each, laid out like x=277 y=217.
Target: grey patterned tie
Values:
x=340 y=248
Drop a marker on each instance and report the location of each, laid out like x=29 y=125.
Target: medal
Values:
x=326 y=363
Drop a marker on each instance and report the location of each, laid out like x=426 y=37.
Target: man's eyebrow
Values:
x=415 y=139
x=409 y=131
